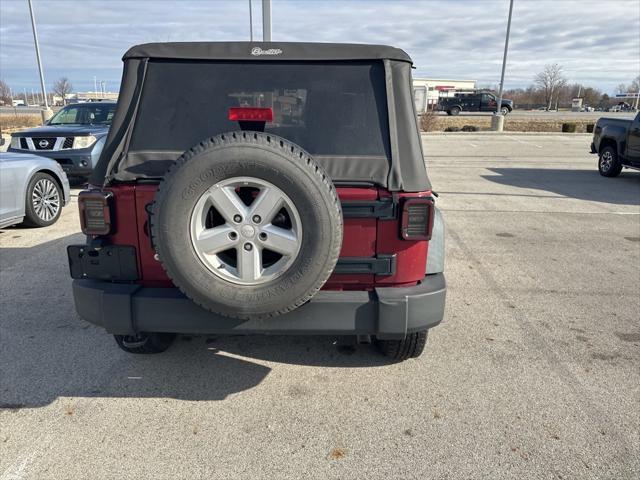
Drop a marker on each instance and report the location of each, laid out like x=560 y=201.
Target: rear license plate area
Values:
x=111 y=262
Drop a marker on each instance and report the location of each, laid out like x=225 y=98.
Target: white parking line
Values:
x=17 y=470
x=525 y=142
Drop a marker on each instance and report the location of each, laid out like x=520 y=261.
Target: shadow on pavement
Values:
x=47 y=351
x=581 y=184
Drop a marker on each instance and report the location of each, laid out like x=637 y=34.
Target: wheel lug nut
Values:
x=237 y=218
x=248 y=247
x=233 y=235
x=263 y=236
x=256 y=219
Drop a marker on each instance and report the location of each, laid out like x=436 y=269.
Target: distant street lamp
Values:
x=266 y=20
x=250 y=22
x=497 y=122
x=46 y=113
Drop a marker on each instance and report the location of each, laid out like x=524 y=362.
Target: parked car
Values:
x=617 y=143
x=33 y=190
x=293 y=200
x=73 y=137
x=473 y=102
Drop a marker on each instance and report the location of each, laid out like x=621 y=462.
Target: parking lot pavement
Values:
x=533 y=374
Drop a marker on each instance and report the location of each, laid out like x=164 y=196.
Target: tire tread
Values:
x=617 y=166
x=411 y=346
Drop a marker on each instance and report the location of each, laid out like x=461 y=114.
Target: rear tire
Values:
x=455 y=111
x=145 y=342
x=608 y=162
x=411 y=346
x=505 y=110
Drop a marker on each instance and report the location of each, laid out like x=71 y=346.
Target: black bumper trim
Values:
x=388 y=312
x=380 y=209
x=380 y=265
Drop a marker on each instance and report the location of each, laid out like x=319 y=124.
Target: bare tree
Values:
x=605 y=101
x=591 y=96
x=5 y=93
x=550 y=81
x=62 y=88
x=621 y=88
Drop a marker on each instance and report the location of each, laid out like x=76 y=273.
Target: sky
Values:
x=597 y=42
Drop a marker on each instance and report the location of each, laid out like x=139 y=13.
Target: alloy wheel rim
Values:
x=607 y=161
x=246 y=230
x=45 y=199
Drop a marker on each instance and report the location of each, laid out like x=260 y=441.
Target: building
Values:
x=82 y=97
x=93 y=96
x=427 y=91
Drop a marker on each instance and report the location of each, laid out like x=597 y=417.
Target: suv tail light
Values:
x=417 y=219
x=95 y=212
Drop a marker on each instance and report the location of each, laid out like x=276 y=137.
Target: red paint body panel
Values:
x=124 y=215
x=358 y=240
x=153 y=274
x=363 y=237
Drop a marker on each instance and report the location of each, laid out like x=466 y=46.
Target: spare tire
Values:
x=247 y=225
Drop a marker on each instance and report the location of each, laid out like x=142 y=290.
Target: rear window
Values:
x=328 y=108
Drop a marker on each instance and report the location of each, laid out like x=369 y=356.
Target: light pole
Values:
x=497 y=121
x=46 y=113
x=266 y=20
x=250 y=22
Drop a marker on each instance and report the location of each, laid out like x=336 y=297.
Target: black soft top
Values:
x=269 y=51
x=402 y=169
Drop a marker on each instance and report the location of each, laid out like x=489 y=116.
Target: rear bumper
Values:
x=388 y=313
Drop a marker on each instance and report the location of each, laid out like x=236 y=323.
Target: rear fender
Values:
x=610 y=142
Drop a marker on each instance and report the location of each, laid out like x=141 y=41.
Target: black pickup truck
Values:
x=617 y=143
x=473 y=102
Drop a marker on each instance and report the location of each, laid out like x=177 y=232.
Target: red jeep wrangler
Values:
x=272 y=188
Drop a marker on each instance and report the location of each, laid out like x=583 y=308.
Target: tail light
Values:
x=95 y=212
x=251 y=114
x=417 y=219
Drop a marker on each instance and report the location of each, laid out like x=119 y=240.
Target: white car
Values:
x=33 y=190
